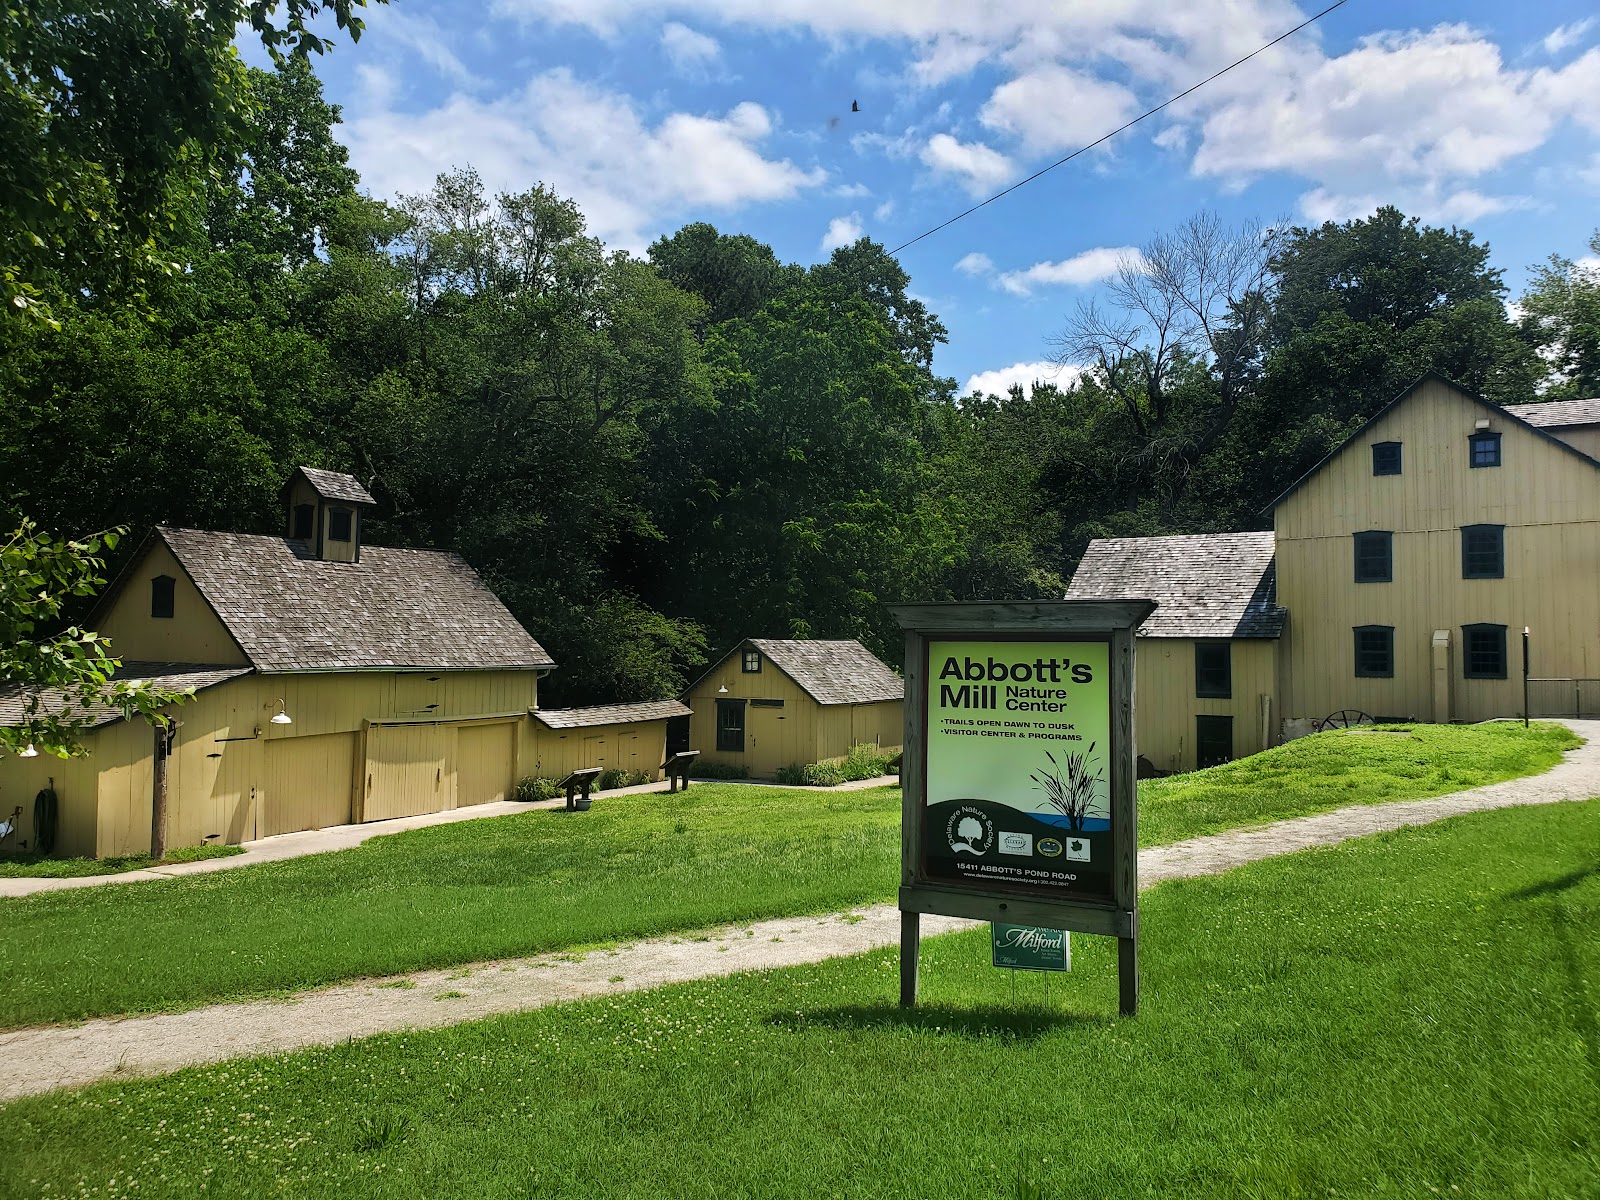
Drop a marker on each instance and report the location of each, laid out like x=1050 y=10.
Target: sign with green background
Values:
x=1018 y=766
x=1029 y=948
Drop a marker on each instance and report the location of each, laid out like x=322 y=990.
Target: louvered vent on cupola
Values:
x=325 y=510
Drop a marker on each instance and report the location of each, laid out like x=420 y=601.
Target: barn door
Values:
x=307 y=783
x=405 y=773
x=485 y=762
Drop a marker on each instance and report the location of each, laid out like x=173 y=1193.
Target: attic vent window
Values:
x=1484 y=449
x=305 y=516
x=752 y=662
x=1386 y=458
x=338 y=524
x=161 y=596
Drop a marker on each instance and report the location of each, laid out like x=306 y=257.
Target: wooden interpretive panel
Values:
x=1018 y=771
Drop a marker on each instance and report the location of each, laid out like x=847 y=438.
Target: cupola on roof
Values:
x=332 y=485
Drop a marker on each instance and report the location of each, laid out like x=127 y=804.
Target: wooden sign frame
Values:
x=1111 y=621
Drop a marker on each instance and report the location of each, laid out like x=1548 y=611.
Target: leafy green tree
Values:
x=112 y=115
x=62 y=675
x=1561 y=317
x=733 y=273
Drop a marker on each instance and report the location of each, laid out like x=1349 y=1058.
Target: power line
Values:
x=1142 y=116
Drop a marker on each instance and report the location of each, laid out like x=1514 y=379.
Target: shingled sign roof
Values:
x=1209 y=585
x=611 y=714
x=334 y=485
x=844 y=672
x=1558 y=414
x=169 y=677
x=290 y=611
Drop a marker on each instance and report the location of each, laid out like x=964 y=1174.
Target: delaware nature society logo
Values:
x=970 y=831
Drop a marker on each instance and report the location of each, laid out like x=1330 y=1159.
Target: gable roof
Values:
x=333 y=485
x=1558 y=414
x=1207 y=585
x=173 y=677
x=840 y=672
x=1511 y=411
x=290 y=611
x=610 y=714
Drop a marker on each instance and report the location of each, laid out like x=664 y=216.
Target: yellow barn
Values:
x=625 y=737
x=771 y=703
x=1407 y=565
x=335 y=682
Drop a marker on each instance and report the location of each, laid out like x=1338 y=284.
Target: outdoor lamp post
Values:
x=1525 y=712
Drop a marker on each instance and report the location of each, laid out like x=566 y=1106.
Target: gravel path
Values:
x=40 y=1060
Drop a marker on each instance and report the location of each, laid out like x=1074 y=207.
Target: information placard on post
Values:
x=1018 y=771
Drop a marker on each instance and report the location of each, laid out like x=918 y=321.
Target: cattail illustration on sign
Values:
x=1069 y=787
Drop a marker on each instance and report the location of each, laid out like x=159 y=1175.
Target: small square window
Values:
x=1386 y=458
x=752 y=662
x=1484 y=450
x=1374 y=652
x=1483 y=552
x=1374 y=556
x=339 y=524
x=1483 y=651
x=1213 y=670
x=162 y=589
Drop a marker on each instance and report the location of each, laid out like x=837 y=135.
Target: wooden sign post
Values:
x=1018 y=772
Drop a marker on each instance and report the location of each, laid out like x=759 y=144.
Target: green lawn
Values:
x=1410 y=1015
x=1330 y=770
x=632 y=867
x=29 y=866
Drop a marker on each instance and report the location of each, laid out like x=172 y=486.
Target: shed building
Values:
x=404 y=684
x=627 y=737
x=771 y=703
x=1207 y=658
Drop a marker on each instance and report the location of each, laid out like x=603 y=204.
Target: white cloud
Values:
x=976 y=263
x=884 y=211
x=690 y=53
x=852 y=191
x=588 y=144
x=1092 y=266
x=1026 y=374
x=1055 y=108
x=842 y=231
x=979 y=168
x=422 y=36
x=1565 y=36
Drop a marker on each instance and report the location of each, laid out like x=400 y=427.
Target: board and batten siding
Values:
x=630 y=746
x=1582 y=437
x=1166 y=705
x=1547 y=499
x=193 y=634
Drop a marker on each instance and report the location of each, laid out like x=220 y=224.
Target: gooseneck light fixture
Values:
x=30 y=752
x=282 y=718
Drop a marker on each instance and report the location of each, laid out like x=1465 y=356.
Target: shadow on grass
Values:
x=1561 y=883
x=1025 y=1022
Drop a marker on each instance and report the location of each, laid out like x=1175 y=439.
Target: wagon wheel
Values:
x=1343 y=719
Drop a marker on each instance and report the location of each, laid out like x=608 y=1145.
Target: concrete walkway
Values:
x=343 y=837
x=40 y=1060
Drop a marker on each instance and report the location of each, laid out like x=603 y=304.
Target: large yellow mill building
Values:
x=1405 y=567
x=334 y=682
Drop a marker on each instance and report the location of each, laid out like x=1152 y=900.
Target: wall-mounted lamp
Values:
x=1481 y=424
x=282 y=718
x=723 y=690
x=30 y=752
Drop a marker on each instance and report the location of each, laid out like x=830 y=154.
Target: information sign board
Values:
x=1017 y=776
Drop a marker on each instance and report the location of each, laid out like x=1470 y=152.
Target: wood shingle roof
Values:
x=335 y=485
x=611 y=714
x=289 y=611
x=171 y=677
x=1558 y=414
x=833 y=672
x=1208 y=585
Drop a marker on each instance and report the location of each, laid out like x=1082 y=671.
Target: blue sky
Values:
x=655 y=113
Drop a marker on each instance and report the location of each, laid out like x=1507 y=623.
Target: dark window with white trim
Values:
x=1374 y=556
x=1483 y=651
x=162 y=590
x=1386 y=458
x=1484 y=449
x=752 y=662
x=1374 y=651
x=1483 y=552
x=339 y=524
x=1213 y=670
x=730 y=725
